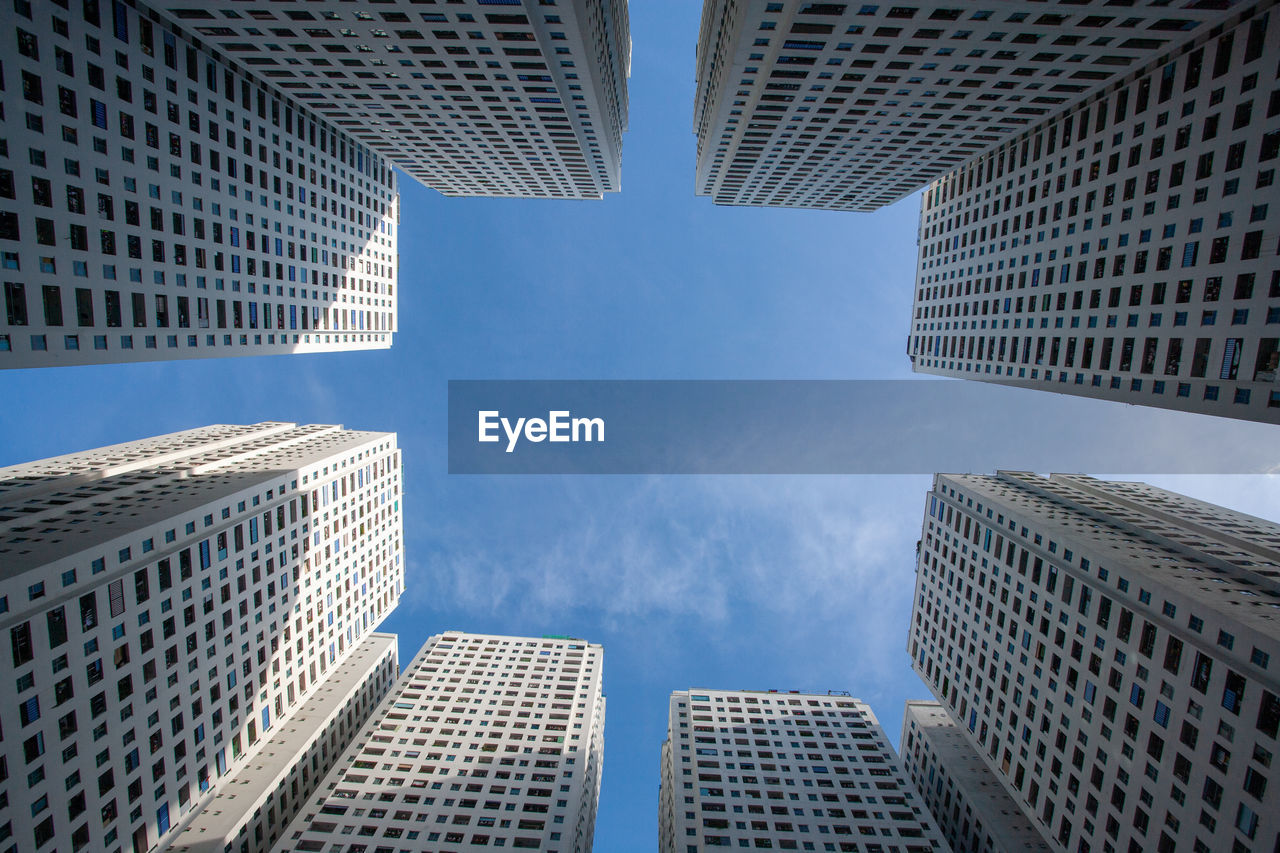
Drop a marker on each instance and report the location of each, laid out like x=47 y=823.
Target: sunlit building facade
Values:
x=486 y=741
x=790 y=771
x=157 y=202
x=852 y=106
x=169 y=605
x=1106 y=648
x=970 y=806
x=1122 y=249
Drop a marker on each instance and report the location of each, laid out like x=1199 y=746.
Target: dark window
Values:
x=57 y=622
x=112 y=299
x=20 y=638
x=52 y=305
x=15 y=303
x=84 y=306
x=1201 y=672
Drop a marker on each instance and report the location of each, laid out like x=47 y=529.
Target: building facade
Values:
x=158 y=203
x=972 y=809
x=249 y=812
x=204 y=180
x=1106 y=648
x=486 y=741
x=851 y=106
x=475 y=98
x=169 y=604
x=1125 y=248
x=791 y=771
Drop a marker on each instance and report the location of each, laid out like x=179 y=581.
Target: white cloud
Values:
x=795 y=564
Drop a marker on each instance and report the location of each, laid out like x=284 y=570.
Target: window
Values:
x=1233 y=692
x=15 y=303
x=20 y=639
x=29 y=711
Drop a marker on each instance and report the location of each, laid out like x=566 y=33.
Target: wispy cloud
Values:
x=807 y=561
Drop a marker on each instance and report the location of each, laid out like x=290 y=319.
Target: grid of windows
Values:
x=1105 y=647
x=170 y=604
x=472 y=98
x=851 y=106
x=790 y=771
x=250 y=814
x=1121 y=249
x=156 y=203
x=486 y=741
x=970 y=806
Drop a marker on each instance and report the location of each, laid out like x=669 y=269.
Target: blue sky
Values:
x=734 y=582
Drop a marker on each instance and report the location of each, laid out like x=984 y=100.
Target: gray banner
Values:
x=830 y=427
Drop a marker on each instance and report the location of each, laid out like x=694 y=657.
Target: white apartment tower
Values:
x=970 y=806
x=486 y=741
x=512 y=98
x=239 y=158
x=249 y=813
x=1106 y=648
x=158 y=203
x=851 y=106
x=171 y=606
x=790 y=771
x=1124 y=248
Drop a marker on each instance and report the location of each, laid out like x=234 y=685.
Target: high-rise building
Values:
x=1121 y=249
x=169 y=604
x=486 y=741
x=475 y=98
x=791 y=771
x=249 y=812
x=970 y=806
x=851 y=106
x=1106 y=648
x=239 y=157
x=158 y=203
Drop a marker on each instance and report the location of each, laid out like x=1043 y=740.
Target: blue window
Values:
x=1189 y=253
x=29 y=711
x=1162 y=715
x=1233 y=693
x=120 y=20
x=162 y=819
x=1137 y=695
